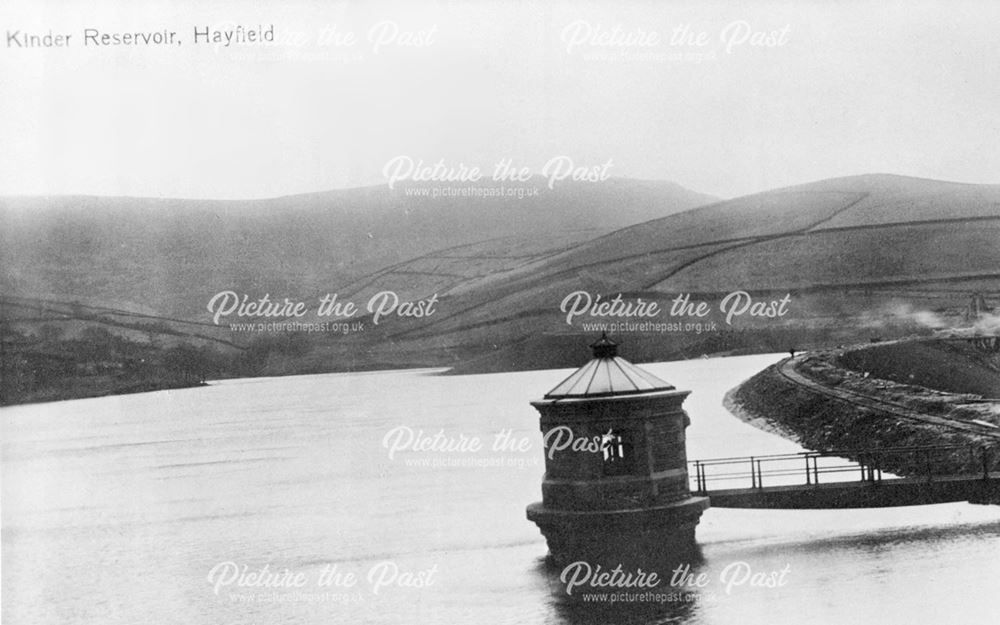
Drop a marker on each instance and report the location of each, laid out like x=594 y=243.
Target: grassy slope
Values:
x=857 y=254
x=950 y=366
x=851 y=252
x=143 y=269
x=170 y=256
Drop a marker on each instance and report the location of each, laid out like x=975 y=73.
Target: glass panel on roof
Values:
x=606 y=376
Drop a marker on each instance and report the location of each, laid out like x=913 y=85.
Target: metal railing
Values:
x=868 y=465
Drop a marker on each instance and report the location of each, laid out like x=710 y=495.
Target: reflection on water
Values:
x=664 y=590
x=117 y=509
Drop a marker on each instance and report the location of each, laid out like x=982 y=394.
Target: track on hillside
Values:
x=426 y=331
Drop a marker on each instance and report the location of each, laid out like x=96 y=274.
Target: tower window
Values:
x=616 y=449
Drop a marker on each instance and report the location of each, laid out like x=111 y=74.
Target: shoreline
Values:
x=132 y=389
x=738 y=410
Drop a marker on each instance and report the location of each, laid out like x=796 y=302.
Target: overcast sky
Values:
x=850 y=87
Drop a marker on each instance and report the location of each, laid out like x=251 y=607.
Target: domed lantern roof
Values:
x=606 y=375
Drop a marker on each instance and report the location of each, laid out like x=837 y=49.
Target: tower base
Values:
x=646 y=536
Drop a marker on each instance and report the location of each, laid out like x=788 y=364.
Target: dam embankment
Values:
x=881 y=396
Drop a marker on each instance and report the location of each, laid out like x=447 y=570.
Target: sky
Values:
x=830 y=89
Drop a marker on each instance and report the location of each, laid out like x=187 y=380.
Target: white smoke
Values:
x=987 y=323
x=924 y=318
x=903 y=313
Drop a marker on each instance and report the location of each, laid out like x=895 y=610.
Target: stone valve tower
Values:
x=616 y=481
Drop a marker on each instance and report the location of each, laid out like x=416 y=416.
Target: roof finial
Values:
x=607 y=375
x=604 y=347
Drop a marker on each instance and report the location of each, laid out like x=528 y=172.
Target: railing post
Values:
x=753 y=474
x=760 y=476
x=816 y=470
x=808 y=476
x=986 y=465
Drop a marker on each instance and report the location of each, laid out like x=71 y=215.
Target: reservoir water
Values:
x=174 y=506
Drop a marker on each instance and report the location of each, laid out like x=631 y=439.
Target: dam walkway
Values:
x=833 y=480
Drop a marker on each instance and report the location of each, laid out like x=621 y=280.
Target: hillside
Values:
x=859 y=257
x=169 y=256
x=835 y=261
x=102 y=295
